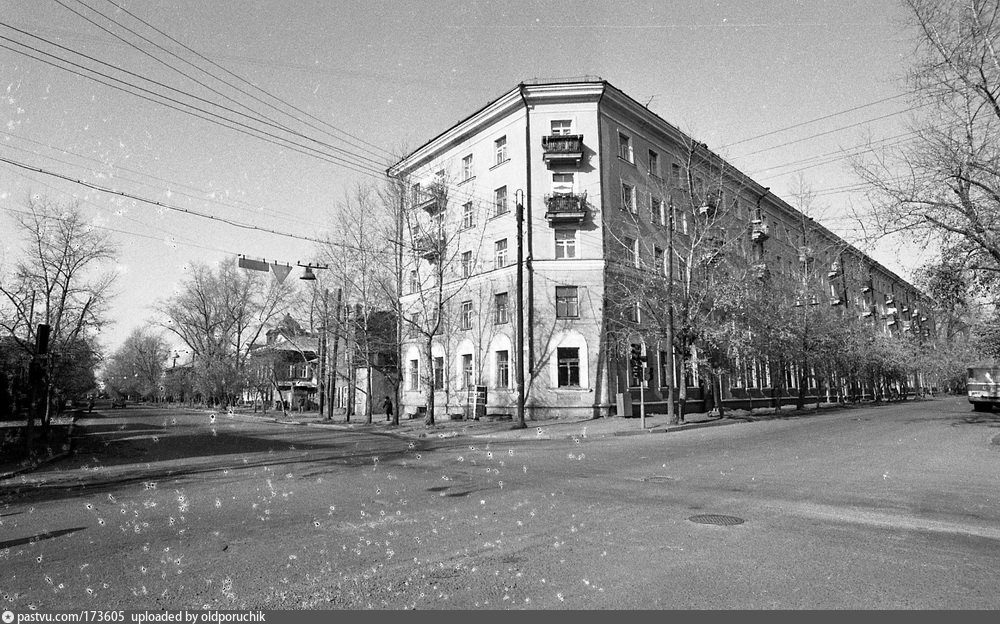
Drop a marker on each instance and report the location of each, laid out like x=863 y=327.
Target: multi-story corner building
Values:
x=613 y=199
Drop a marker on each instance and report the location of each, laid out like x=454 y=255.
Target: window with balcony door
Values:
x=654 y=164
x=562 y=183
x=561 y=127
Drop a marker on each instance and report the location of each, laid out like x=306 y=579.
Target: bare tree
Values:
x=220 y=315
x=58 y=283
x=136 y=368
x=440 y=254
x=360 y=252
x=943 y=186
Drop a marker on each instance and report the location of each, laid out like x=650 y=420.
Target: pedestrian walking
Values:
x=387 y=406
x=90 y=404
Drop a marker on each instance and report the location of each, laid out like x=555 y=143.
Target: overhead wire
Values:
x=179 y=105
x=245 y=207
x=166 y=206
x=381 y=151
x=200 y=69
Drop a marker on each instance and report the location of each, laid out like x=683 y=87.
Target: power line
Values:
x=235 y=205
x=192 y=78
x=382 y=152
x=196 y=213
x=190 y=109
x=815 y=120
x=834 y=130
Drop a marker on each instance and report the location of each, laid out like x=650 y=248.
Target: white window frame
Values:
x=625 y=149
x=501 y=369
x=565 y=246
x=500 y=253
x=466 y=316
x=500 y=150
x=561 y=130
x=467 y=167
x=628 y=197
x=500 y=201
x=468 y=219
x=466 y=263
x=501 y=314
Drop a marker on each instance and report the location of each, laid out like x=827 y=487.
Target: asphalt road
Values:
x=890 y=507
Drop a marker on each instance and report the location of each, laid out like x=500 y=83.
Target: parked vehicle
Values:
x=119 y=402
x=983 y=388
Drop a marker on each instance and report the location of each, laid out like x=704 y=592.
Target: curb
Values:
x=47 y=460
x=681 y=427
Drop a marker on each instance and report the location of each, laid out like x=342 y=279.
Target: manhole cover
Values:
x=716 y=519
x=658 y=479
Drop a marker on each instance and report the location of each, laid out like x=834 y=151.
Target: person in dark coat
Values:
x=387 y=406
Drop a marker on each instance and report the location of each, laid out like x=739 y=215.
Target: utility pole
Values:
x=333 y=361
x=519 y=349
x=322 y=352
x=672 y=377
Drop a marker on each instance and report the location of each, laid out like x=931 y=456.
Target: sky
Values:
x=783 y=89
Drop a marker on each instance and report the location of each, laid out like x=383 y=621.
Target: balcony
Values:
x=711 y=248
x=429 y=247
x=760 y=271
x=565 y=208
x=866 y=287
x=759 y=231
x=888 y=299
x=806 y=255
x=562 y=149
x=431 y=199
x=834 y=271
x=709 y=205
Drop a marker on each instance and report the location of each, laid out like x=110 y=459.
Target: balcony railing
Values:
x=566 y=208
x=429 y=247
x=760 y=270
x=759 y=231
x=431 y=199
x=806 y=255
x=562 y=149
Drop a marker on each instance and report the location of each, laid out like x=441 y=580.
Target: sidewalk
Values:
x=498 y=429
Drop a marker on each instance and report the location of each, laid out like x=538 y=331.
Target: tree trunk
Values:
x=428 y=354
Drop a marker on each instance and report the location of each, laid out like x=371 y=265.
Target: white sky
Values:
x=392 y=75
